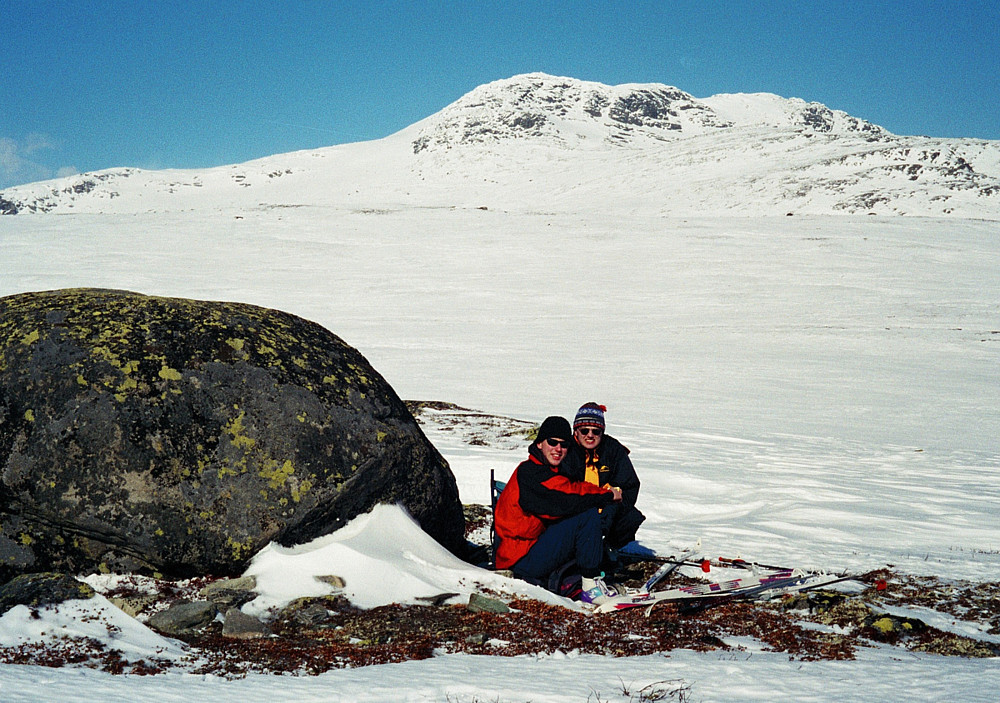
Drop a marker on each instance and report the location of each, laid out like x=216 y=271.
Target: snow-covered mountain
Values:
x=536 y=142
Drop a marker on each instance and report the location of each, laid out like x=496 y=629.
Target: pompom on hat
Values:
x=589 y=415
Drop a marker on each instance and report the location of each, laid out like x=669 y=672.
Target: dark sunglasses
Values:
x=557 y=443
x=596 y=431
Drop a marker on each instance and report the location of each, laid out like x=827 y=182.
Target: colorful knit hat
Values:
x=589 y=415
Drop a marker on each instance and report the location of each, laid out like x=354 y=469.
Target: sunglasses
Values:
x=596 y=431
x=557 y=443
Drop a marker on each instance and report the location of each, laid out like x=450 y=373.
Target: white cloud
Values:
x=17 y=164
x=37 y=142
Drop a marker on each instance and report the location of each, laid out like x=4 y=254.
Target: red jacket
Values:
x=535 y=496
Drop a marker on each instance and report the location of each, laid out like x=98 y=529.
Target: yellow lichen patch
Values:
x=29 y=415
x=228 y=470
x=169 y=374
x=885 y=625
x=277 y=475
x=30 y=338
x=26 y=539
x=301 y=363
x=106 y=354
x=300 y=488
x=124 y=387
x=239 y=348
x=240 y=549
x=234 y=428
x=331 y=379
x=379 y=436
x=359 y=373
x=81 y=380
x=956 y=646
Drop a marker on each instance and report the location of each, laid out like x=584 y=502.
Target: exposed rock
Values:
x=312 y=611
x=134 y=605
x=438 y=599
x=229 y=593
x=816 y=602
x=184 y=617
x=40 y=589
x=146 y=434
x=479 y=603
x=331 y=580
x=239 y=625
x=951 y=645
x=894 y=625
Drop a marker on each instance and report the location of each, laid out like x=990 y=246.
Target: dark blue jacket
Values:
x=614 y=468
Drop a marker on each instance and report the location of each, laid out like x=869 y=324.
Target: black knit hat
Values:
x=554 y=427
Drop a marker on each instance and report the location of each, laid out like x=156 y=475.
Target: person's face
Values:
x=588 y=437
x=553 y=450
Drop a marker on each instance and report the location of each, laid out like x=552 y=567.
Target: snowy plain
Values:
x=818 y=391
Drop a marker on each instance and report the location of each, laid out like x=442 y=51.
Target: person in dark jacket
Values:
x=600 y=459
x=544 y=519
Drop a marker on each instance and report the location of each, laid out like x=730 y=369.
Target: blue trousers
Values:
x=573 y=538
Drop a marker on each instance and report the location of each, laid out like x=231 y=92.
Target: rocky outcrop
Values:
x=41 y=589
x=177 y=436
x=184 y=617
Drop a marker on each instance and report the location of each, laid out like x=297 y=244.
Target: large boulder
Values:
x=150 y=434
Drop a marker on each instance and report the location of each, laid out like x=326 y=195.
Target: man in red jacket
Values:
x=544 y=519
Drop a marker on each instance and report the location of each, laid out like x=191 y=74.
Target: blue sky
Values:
x=93 y=85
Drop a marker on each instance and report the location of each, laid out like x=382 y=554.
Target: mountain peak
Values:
x=569 y=112
x=565 y=111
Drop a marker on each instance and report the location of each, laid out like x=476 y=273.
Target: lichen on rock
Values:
x=141 y=433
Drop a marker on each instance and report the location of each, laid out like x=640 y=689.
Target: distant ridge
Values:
x=566 y=111
x=538 y=143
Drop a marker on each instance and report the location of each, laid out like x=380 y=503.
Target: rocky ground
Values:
x=313 y=635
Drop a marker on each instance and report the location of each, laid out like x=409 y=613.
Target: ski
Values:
x=669 y=566
x=645 y=597
x=786 y=581
x=705 y=564
x=763 y=592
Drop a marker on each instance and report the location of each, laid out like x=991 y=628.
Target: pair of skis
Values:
x=776 y=580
